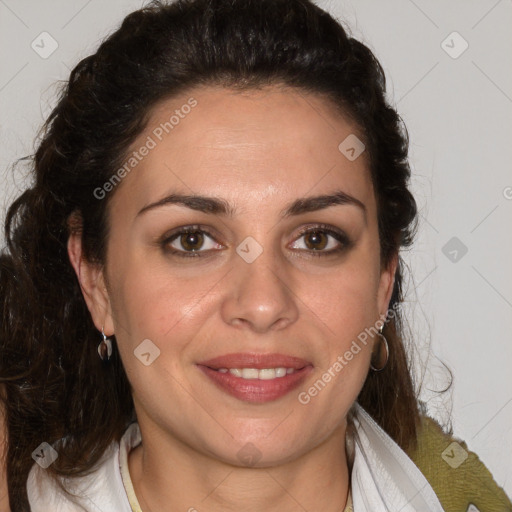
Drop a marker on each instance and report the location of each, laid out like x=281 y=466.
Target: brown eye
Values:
x=322 y=240
x=192 y=241
x=316 y=240
x=189 y=241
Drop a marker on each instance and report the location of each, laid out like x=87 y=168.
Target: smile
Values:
x=256 y=378
x=254 y=373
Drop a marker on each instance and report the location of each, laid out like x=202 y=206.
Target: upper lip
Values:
x=258 y=361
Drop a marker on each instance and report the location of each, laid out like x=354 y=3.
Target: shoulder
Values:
x=101 y=490
x=456 y=474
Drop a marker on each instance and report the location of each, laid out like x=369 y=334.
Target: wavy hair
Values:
x=55 y=384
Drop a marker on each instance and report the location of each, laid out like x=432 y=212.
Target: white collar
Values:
x=383 y=477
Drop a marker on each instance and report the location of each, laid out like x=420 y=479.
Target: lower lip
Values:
x=255 y=390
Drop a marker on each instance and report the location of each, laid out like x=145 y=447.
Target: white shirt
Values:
x=384 y=478
x=107 y=489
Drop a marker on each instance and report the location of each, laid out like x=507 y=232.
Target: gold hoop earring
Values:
x=380 y=353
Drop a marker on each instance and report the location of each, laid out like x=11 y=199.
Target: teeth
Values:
x=250 y=373
x=281 y=372
x=267 y=374
x=254 y=373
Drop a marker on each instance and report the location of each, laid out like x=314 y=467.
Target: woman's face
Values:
x=199 y=316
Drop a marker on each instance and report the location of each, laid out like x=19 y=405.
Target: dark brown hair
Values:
x=55 y=384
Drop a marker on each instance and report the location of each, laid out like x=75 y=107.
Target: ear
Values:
x=386 y=285
x=92 y=283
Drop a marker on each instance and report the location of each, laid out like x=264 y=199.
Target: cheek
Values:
x=346 y=299
x=149 y=300
x=345 y=307
x=149 y=304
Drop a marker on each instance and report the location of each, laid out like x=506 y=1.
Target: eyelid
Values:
x=172 y=235
x=339 y=235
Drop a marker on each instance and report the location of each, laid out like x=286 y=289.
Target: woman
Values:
x=210 y=258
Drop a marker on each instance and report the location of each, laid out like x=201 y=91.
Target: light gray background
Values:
x=459 y=115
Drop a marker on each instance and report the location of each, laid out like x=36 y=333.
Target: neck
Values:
x=172 y=476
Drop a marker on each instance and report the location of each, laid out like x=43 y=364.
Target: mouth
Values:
x=256 y=378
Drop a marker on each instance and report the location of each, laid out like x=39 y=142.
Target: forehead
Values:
x=257 y=144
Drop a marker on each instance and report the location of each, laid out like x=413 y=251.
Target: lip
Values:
x=255 y=390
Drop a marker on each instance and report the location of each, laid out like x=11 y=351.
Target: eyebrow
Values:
x=219 y=206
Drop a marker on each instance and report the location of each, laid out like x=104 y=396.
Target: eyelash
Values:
x=340 y=236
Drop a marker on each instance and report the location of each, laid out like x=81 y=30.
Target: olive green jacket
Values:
x=458 y=477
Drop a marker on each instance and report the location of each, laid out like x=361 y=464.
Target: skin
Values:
x=260 y=151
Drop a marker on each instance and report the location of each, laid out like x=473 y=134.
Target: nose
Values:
x=260 y=295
